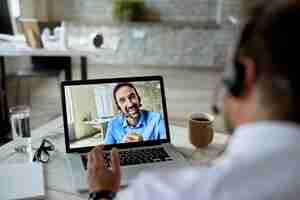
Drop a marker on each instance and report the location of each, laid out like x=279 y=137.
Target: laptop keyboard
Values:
x=136 y=156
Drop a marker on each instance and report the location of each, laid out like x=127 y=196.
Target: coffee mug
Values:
x=201 y=131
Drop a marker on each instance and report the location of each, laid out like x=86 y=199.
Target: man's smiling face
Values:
x=128 y=102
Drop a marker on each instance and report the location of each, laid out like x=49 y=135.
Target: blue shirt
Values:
x=151 y=125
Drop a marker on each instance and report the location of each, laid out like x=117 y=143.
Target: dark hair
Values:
x=124 y=84
x=271 y=37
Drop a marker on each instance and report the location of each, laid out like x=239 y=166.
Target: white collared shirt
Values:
x=261 y=163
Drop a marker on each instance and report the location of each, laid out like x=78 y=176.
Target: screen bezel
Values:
x=114 y=80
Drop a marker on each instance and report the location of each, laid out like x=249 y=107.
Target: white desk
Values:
x=58 y=176
x=9 y=49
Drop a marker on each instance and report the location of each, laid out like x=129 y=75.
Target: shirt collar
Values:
x=141 y=122
x=262 y=137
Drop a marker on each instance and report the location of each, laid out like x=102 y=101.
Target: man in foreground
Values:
x=260 y=105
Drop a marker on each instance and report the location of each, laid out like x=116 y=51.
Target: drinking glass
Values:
x=20 y=124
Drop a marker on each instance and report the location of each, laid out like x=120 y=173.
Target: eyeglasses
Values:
x=42 y=153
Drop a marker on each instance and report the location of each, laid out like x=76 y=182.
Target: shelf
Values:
x=174 y=24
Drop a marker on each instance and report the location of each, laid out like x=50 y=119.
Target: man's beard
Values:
x=132 y=115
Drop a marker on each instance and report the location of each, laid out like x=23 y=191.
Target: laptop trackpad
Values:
x=130 y=173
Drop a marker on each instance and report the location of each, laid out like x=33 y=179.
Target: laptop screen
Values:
x=114 y=112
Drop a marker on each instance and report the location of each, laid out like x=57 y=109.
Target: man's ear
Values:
x=249 y=76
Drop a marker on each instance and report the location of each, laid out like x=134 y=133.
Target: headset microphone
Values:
x=215 y=109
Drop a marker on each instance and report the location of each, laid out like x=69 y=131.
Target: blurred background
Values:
x=186 y=42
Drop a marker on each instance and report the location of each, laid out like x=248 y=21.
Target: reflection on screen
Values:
x=114 y=113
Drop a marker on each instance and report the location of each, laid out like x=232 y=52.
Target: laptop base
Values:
x=129 y=173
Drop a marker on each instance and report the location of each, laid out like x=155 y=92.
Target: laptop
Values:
x=128 y=113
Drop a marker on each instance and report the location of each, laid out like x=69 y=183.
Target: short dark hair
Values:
x=124 y=84
x=271 y=37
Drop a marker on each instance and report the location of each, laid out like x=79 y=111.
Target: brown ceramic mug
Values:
x=201 y=131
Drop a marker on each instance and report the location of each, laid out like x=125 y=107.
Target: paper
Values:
x=22 y=181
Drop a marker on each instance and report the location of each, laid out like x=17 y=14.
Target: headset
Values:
x=234 y=75
x=234 y=82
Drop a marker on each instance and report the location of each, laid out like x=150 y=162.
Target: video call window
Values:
x=114 y=113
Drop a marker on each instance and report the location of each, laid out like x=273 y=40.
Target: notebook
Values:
x=128 y=113
x=22 y=181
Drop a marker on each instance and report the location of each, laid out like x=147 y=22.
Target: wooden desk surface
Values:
x=57 y=174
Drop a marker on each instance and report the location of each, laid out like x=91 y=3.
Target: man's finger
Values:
x=97 y=156
x=98 y=152
x=115 y=166
x=90 y=160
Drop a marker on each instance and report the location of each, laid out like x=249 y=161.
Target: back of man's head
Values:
x=271 y=37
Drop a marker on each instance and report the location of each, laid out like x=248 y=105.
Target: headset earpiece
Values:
x=235 y=81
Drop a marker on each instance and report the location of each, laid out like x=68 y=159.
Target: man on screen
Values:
x=133 y=124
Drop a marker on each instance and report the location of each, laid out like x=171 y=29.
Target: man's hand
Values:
x=99 y=177
x=133 y=137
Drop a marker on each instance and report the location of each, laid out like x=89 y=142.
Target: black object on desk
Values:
x=98 y=40
x=42 y=153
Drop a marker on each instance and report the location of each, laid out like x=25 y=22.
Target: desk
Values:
x=9 y=50
x=13 y=52
x=57 y=175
